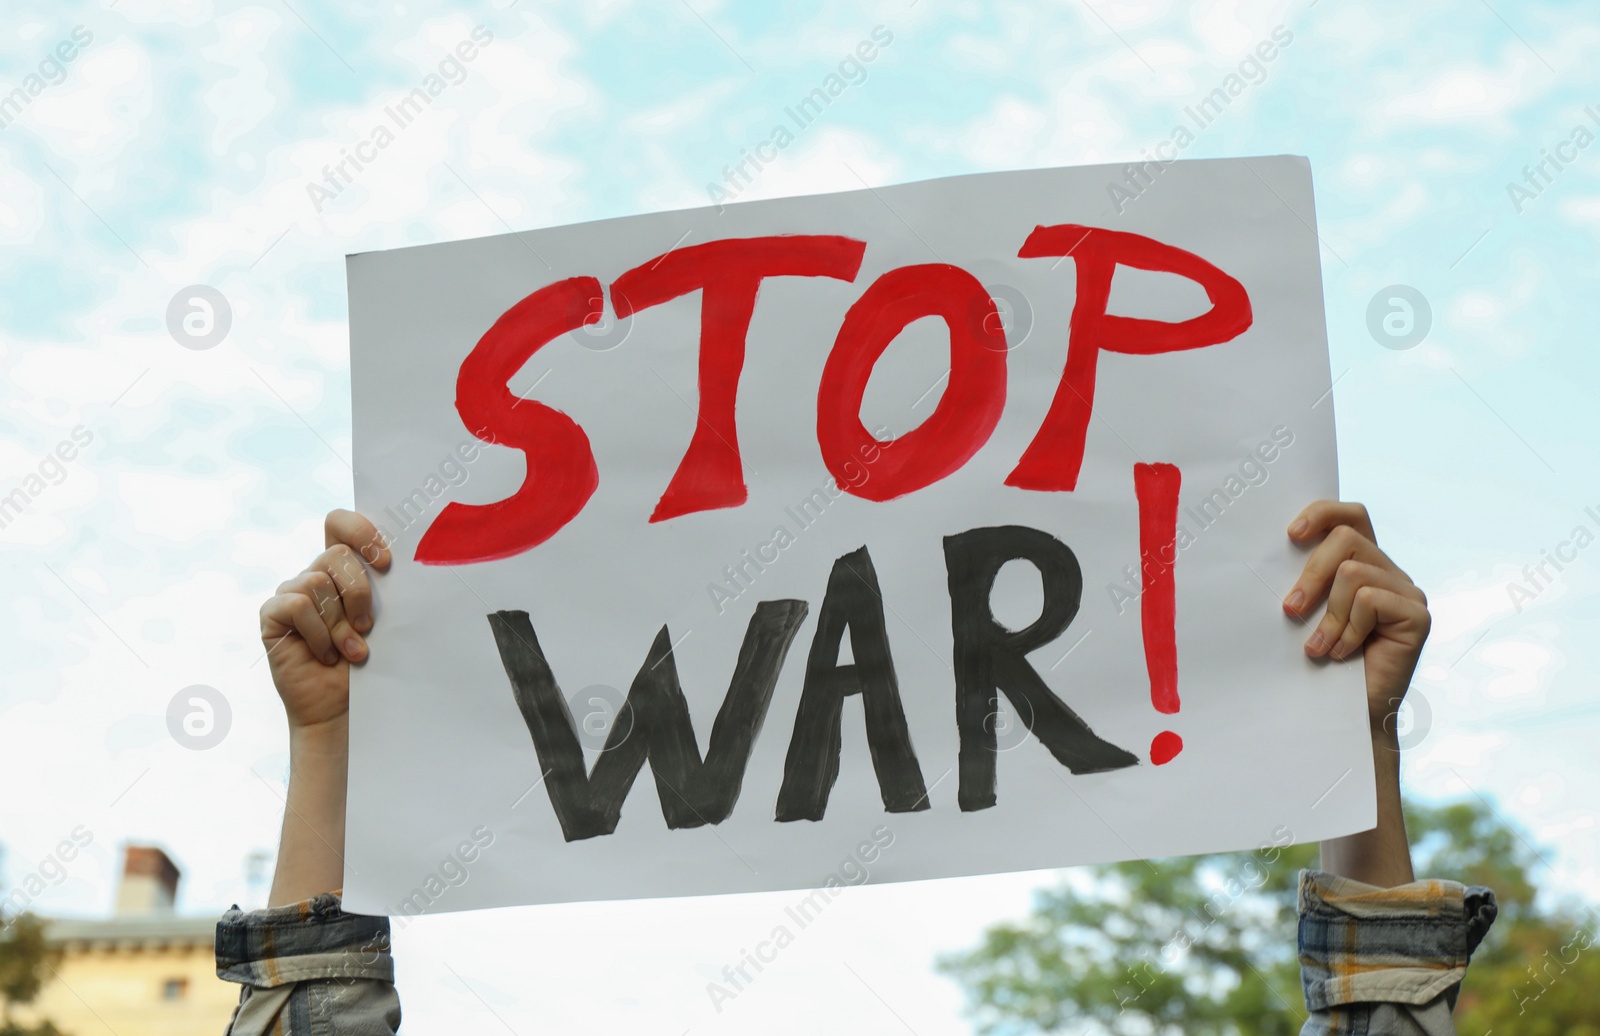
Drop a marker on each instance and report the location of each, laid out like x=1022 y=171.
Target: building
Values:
x=143 y=972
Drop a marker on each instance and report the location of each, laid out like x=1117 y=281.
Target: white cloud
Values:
x=1522 y=668
x=100 y=107
x=179 y=507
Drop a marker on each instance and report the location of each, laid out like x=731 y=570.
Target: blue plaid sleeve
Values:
x=308 y=964
x=1386 y=962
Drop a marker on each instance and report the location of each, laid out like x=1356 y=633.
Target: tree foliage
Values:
x=25 y=963
x=1205 y=945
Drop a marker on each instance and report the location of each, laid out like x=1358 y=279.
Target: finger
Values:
x=1342 y=544
x=1375 y=607
x=1348 y=579
x=324 y=593
x=295 y=614
x=357 y=532
x=1322 y=516
x=343 y=565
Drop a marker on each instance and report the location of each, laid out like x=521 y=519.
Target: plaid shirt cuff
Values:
x=1360 y=944
x=313 y=939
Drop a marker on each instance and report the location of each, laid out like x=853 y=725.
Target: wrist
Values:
x=1385 y=743
x=311 y=849
x=319 y=759
x=322 y=741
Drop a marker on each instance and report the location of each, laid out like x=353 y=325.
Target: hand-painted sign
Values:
x=834 y=513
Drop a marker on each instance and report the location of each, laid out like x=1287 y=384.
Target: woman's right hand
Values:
x=312 y=629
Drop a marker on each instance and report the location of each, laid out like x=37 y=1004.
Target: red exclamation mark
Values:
x=1156 y=486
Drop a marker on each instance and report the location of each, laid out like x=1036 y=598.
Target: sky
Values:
x=181 y=145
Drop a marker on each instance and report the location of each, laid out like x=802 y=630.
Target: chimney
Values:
x=149 y=882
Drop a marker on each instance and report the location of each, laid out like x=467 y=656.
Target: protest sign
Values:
x=936 y=528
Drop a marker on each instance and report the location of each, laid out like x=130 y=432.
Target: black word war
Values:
x=654 y=724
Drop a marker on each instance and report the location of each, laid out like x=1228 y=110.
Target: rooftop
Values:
x=132 y=933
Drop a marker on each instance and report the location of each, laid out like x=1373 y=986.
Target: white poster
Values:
x=901 y=533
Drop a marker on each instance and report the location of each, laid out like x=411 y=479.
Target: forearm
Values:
x=311 y=847
x=307 y=967
x=1381 y=856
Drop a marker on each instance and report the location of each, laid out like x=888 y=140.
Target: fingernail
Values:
x=1295 y=600
x=1316 y=643
x=1300 y=525
x=331 y=658
x=352 y=647
x=363 y=622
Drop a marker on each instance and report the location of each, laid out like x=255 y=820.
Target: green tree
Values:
x=1205 y=945
x=25 y=960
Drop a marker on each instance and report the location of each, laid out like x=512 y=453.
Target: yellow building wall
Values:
x=101 y=992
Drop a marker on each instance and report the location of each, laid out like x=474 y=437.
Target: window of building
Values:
x=174 y=989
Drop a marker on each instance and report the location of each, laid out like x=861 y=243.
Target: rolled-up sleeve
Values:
x=1386 y=962
x=309 y=968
